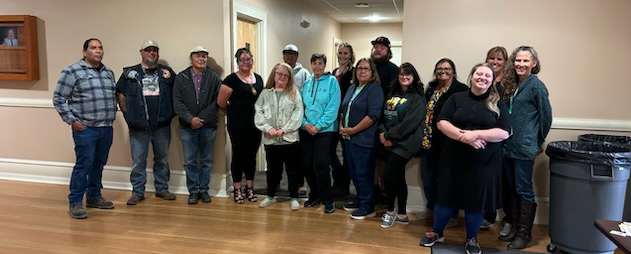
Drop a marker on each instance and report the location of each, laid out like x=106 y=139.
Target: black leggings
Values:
x=394 y=179
x=276 y=156
x=245 y=144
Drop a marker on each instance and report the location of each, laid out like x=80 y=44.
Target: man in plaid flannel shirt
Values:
x=85 y=99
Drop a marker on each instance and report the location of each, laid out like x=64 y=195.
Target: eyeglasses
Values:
x=443 y=69
x=280 y=74
x=245 y=60
x=363 y=69
x=407 y=75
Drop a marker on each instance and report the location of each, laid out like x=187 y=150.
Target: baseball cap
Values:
x=381 y=40
x=149 y=43
x=290 y=47
x=199 y=49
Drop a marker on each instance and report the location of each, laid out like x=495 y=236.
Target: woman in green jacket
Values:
x=278 y=114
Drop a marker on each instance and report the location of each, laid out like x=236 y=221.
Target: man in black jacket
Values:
x=195 y=102
x=144 y=96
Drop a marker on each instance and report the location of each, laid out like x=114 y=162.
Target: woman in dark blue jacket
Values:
x=360 y=111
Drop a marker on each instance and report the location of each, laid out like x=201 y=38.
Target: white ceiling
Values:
x=344 y=11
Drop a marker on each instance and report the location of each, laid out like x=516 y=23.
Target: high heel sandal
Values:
x=238 y=196
x=249 y=193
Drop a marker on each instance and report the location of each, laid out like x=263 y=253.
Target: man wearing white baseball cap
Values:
x=144 y=95
x=290 y=56
x=195 y=101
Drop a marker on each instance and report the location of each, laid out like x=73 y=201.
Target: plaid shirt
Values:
x=86 y=94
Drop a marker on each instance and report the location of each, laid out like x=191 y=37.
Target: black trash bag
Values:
x=623 y=141
x=590 y=153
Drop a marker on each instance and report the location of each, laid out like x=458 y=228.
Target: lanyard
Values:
x=510 y=107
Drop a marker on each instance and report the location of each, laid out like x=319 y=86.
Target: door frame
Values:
x=259 y=17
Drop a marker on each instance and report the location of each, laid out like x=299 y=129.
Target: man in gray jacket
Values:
x=195 y=102
x=290 y=56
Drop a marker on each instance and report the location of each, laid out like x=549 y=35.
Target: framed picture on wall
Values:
x=18 y=48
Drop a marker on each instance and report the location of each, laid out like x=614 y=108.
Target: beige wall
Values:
x=583 y=46
x=38 y=133
x=359 y=35
x=284 y=17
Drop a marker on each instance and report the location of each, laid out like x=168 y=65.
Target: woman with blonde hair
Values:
x=475 y=124
x=278 y=114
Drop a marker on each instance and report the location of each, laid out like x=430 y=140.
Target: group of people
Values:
x=477 y=143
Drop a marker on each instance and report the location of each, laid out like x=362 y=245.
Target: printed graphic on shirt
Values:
x=150 y=85
x=394 y=107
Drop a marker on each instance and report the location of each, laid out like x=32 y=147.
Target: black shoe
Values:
x=312 y=202
x=135 y=199
x=193 y=198
x=329 y=207
x=100 y=204
x=361 y=214
x=205 y=197
x=351 y=206
x=166 y=195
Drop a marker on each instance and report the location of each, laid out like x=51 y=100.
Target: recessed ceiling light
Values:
x=374 y=18
x=362 y=5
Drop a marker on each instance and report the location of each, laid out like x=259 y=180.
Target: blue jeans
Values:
x=519 y=178
x=200 y=141
x=160 y=139
x=442 y=214
x=360 y=162
x=429 y=177
x=92 y=146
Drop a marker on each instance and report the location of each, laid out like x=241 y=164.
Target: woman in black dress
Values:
x=476 y=123
x=237 y=96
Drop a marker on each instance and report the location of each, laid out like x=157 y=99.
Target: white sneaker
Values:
x=294 y=205
x=267 y=202
x=506 y=230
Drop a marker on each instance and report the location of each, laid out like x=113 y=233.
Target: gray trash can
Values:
x=587 y=182
x=623 y=141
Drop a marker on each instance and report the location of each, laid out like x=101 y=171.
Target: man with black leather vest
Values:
x=145 y=97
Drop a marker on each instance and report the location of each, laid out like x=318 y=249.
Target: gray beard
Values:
x=151 y=63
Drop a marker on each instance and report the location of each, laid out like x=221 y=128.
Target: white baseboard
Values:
x=114 y=177
x=417 y=202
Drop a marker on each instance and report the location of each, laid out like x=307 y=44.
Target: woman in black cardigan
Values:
x=445 y=84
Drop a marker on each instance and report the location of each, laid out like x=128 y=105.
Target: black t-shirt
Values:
x=388 y=72
x=149 y=81
x=241 y=109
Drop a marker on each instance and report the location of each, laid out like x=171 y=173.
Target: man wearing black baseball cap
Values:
x=381 y=55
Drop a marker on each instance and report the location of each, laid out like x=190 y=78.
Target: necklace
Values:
x=249 y=80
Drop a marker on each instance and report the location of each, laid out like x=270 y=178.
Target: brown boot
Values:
x=515 y=207
x=526 y=219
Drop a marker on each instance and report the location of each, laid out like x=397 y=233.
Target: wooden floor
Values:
x=34 y=219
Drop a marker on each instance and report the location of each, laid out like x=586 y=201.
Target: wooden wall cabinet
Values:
x=18 y=48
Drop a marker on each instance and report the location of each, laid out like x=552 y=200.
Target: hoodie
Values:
x=321 y=98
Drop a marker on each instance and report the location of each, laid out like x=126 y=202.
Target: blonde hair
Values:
x=494 y=96
x=290 y=88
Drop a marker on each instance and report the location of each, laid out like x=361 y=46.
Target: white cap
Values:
x=290 y=47
x=149 y=43
x=199 y=49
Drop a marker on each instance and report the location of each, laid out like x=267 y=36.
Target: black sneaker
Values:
x=193 y=198
x=312 y=203
x=361 y=214
x=100 y=204
x=205 y=197
x=77 y=212
x=329 y=207
x=431 y=238
x=471 y=246
x=351 y=206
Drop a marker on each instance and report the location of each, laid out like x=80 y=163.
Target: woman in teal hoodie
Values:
x=321 y=97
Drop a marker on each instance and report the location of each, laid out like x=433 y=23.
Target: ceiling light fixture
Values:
x=374 y=18
x=362 y=5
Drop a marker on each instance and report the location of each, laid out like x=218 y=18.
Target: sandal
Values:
x=249 y=192
x=238 y=196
